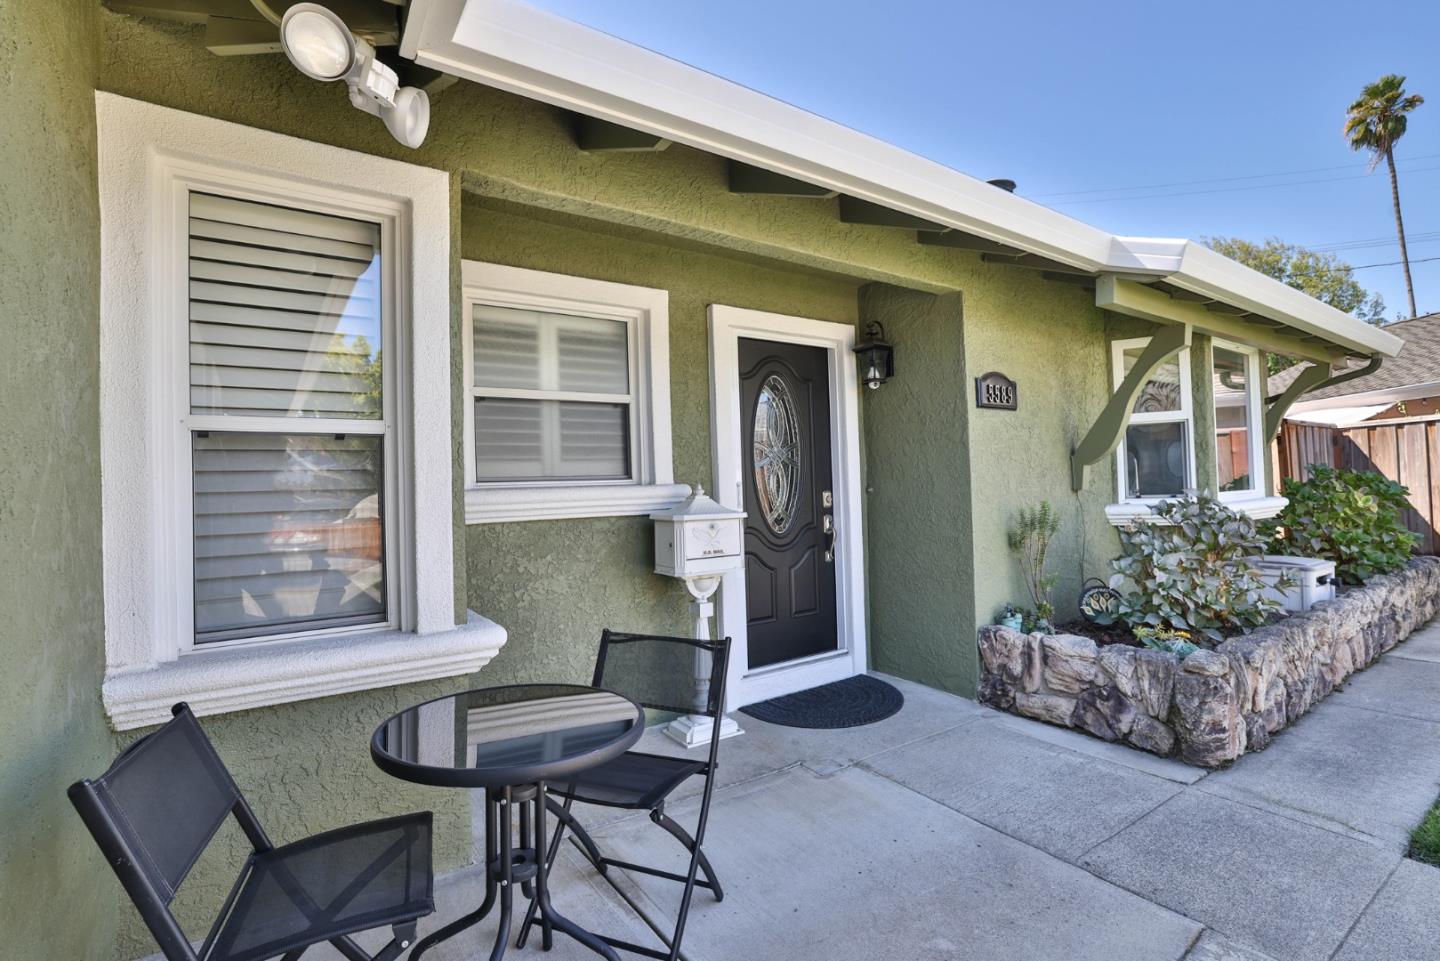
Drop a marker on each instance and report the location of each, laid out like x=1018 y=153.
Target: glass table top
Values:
x=499 y=736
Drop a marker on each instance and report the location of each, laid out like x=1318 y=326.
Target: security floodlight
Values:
x=321 y=47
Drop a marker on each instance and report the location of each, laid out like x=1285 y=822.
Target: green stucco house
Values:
x=306 y=426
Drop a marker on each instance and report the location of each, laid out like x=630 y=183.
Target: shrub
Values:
x=1030 y=538
x=1349 y=517
x=1194 y=571
x=1165 y=639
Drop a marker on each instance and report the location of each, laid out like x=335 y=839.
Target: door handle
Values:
x=827 y=525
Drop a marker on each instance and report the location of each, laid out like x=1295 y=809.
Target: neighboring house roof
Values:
x=1414 y=372
x=513 y=47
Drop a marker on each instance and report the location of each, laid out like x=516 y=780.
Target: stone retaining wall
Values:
x=1215 y=705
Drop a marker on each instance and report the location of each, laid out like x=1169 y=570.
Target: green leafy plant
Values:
x=1193 y=568
x=1030 y=539
x=1166 y=639
x=1349 y=517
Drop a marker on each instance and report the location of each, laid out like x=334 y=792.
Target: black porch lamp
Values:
x=877 y=357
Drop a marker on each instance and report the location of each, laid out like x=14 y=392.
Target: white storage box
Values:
x=1313 y=580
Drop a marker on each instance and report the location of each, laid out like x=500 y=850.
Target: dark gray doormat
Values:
x=857 y=700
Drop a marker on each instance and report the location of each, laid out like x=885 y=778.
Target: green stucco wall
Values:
x=1054 y=343
x=920 y=566
x=556 y=584
x=53 y=902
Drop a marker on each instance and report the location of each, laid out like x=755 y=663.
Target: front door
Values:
x=789 y=499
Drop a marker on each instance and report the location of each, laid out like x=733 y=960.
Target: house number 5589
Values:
x=997 y=391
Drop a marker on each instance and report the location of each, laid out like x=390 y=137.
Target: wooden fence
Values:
x=1406 y=450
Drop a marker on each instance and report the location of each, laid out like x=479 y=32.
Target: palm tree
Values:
x=1375 y=123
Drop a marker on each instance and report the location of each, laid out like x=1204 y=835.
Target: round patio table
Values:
x=508 y=742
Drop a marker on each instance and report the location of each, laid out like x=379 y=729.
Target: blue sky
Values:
x=1073 y=100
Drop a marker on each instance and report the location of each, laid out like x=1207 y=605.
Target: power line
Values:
x=1223 y=190
x=1394 y=263
x=1219 y=180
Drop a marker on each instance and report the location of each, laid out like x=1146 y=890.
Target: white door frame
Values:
x=727 y=326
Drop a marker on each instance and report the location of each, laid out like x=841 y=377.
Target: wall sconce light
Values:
x=877 y=357
x=321 y=47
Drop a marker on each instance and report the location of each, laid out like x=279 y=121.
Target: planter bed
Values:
x=1216 y=705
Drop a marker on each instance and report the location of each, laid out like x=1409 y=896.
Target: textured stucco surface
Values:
x=556 y=584
x=917 y=493
x=50 y=588
x=1052 y=340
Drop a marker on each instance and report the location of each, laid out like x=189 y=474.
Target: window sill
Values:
x=242 y=678
x=495 y=505
x=1255 y=506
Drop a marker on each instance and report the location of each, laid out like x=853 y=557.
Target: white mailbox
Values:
x=699 y=541
x=698 y=538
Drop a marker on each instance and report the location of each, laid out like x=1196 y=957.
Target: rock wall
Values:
x=1215 y=705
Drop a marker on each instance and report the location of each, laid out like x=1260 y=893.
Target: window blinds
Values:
x=284 y=311
x=285 y=325
x=552 y=395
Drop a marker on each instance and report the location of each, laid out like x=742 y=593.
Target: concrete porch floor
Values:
x=951 y=831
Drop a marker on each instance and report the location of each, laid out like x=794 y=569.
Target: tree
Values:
x=1375 y=123
x=1323 y=276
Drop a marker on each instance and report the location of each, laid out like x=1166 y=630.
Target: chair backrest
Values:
x=659 y=672
x=153 y=813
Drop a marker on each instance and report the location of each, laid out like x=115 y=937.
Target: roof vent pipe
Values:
x=1004 y=184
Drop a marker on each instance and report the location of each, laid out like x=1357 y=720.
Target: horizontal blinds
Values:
x=539 y=439
x=285 y=311
x=288 y=533
x=533 y=437
x=536 y=350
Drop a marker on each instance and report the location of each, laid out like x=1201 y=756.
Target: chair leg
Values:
x=563 y=815
x=680 y=834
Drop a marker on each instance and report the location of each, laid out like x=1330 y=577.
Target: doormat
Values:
x=857 y=700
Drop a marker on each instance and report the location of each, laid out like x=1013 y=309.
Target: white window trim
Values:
x=1127 y=509
x=647 y=311
x=147 y=153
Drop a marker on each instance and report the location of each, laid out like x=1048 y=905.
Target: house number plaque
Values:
x=996 y=391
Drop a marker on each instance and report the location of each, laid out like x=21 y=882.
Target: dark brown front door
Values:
x=789 y=558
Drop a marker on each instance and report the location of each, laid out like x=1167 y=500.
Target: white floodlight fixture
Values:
x=321 y=47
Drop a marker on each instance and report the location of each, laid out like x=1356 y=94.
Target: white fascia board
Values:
x=535 y=54
x=1386 y=396
x=1204 y=271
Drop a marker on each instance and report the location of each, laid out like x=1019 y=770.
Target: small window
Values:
x=1155 y=457
x=568 y=412
x=1239 y=458
x=553 y=396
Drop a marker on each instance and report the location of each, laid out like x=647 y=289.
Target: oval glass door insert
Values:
x=776 y=454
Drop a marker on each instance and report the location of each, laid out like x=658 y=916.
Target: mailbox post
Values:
x=699 y=541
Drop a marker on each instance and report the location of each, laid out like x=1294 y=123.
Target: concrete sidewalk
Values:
x=953 y=832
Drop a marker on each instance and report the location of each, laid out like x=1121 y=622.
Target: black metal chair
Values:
x=657 y=672
x=162 y=801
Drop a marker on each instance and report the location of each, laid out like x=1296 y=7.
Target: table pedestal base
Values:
x=506 y=866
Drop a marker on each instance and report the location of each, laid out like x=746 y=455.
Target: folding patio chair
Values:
x=159 y=805
x=657 y=672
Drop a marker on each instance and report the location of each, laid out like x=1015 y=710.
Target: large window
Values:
x=568 y=412
x=1239 y=456
x=1155 y=457
x=275 y=419
x=288 y=321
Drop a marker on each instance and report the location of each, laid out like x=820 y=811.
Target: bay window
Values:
x=1155 y=458
x=1239 y=447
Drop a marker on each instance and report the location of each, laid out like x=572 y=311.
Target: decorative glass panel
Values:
x=776 y=452
x=288 y=533
x=1161 y=392
x=1156 y=459
x=285 y=311
x=1232 y=421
